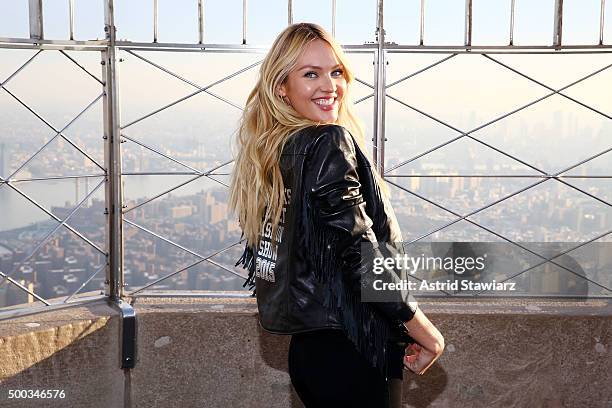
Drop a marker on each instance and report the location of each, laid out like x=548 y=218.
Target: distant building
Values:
x=180 y=211
x=12 y=295
x=218 y=212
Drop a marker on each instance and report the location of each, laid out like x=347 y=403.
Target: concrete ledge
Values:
x=500 y=353
x=72 y=349
x=211 y=352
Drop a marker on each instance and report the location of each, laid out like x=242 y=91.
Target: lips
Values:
x=326 y=104
x=324 y=101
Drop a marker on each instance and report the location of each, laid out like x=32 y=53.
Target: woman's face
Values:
x=315 y=88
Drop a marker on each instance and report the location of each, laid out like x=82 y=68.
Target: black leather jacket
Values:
x=313 y=279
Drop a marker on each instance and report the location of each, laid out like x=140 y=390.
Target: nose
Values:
x=329 y=84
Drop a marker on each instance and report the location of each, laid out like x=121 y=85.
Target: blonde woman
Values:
x=308 y=201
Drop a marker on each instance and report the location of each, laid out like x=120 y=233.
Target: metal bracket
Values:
x=128 y=333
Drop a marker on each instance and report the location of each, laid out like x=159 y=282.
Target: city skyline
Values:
x=450 y=94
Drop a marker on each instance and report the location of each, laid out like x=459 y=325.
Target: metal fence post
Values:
x=468 y=22
x=201 y=21
x=112 y=159
x=114 y=193
x=36 y=19
x=558 y=27
x=378 y=154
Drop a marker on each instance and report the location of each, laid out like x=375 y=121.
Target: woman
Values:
x=307 y=201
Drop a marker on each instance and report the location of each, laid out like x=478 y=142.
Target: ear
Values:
x=281 y=90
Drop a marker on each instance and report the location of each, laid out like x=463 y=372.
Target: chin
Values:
x=317 y=116
x=327 y=119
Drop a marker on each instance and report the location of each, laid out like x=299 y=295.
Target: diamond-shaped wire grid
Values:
x=544 y=176
x=21 y=173
x=218 y=173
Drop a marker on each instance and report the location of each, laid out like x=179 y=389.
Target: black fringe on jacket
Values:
x=367 y=329
x=247 y=260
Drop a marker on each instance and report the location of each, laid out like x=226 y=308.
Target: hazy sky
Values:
x=464 y=91
x=444 y=20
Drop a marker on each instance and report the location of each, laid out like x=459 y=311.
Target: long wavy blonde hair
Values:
x=256 y=187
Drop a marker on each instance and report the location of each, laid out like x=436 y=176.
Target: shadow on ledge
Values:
x=211 y=352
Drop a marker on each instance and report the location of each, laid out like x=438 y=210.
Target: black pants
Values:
x=327 y=370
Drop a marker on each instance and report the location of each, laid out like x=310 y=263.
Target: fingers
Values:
x=413 y=349
x=411 y=358
x=420 y=359
x=415 y=346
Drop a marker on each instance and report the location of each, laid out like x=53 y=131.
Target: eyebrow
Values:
x=317 y=67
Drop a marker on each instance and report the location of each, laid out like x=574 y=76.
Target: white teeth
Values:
x=324 y=101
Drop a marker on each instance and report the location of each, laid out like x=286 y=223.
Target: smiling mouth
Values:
x=324 y=101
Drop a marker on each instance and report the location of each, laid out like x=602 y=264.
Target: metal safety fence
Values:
x=154 y=243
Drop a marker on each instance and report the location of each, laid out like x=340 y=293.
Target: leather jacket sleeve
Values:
x=333 y=184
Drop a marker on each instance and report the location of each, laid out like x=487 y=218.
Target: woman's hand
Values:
x=418 y=359
x=428 y=347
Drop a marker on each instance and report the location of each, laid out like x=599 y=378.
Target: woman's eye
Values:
x=312 y=74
